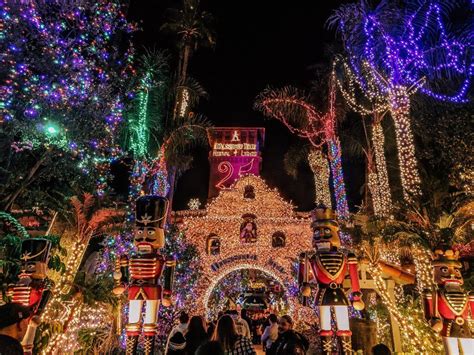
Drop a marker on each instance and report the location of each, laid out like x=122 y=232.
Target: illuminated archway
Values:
x=204 y=299
x=223 y=216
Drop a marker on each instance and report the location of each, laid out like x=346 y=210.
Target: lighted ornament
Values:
x=194 y=204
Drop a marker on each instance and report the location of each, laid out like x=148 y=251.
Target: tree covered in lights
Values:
x=405 y=48
x=157 y=140
x=297 y=112
x=64 y=65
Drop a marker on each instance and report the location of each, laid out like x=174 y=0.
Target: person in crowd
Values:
x=245 y=317
x=270 y=334
x=289 y=341
x=176 y=340
x=196 y=334
x=241 y=325
x=381 y=349
x=232 y=342
x=14 y=319
x=212 y=325
x=210 y=347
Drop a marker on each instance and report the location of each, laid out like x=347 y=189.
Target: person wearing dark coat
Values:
x=196 y=335
x=14 y=319
x=289 y=341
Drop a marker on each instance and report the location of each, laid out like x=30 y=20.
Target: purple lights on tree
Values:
x=401 y=50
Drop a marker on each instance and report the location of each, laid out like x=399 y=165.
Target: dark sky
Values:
x=259 y=43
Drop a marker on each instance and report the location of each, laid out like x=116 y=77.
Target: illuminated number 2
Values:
x=224 y=167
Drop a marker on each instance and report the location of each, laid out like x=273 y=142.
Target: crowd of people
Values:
x=229 y=334
x=235 y=334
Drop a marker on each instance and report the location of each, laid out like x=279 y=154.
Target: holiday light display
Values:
x=143 y=271
x=319 y=166
x=381 y=187
x=32 y=288
x=225 y=217
x=51 y=107
x=194 y=204
x=139 y=136
x=366 y=99
x=417 y=337
x=404 y=56
x=292 y=109
x=448 y=307
x=329 y=267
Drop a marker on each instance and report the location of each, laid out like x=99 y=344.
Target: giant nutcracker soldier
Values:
x=32 y=288
x=330 y=265
x=447 y=307
x=143 y=271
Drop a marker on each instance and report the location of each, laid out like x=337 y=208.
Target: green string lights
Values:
x=139 y=127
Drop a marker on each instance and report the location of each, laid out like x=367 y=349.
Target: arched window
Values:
x=278 y=240
x=249 y=192
x=213 y=244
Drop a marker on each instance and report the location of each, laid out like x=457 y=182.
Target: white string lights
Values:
x=376 y=106
x=320 y=168
x=382 y=199
x=399 y=98
x=224 y=217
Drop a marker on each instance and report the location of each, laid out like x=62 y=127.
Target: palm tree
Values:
x=89 y=221
x=160 y=142
x=443 y=220
x=295 y=110
x=367 y=100
x=405 y=49
x=193 y=29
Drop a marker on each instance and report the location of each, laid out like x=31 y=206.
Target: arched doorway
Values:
x=225 y=275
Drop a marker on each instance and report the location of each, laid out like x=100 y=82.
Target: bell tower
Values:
x=235 y=151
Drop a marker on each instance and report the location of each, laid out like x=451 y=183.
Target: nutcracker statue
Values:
x=447 y=308
x=142 y=273
x=329 y=266
x=33 y=286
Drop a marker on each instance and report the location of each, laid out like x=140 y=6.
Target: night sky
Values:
x=259 y=43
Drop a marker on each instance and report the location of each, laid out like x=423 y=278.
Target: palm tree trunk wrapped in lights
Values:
x=334 y=153
x=381 y=197
x=319 y=166
x=400 y=110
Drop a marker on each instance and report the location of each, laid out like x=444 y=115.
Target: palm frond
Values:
x=104 y=217
x=292 y=108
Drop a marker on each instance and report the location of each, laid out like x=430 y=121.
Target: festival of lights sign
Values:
x=235 y=153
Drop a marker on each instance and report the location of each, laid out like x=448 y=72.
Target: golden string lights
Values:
x=383 y=198
x=416 y=338
x=319 y=166
x=79 y=316
x=399 y=97
x=368 y=100
x=227 y=215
